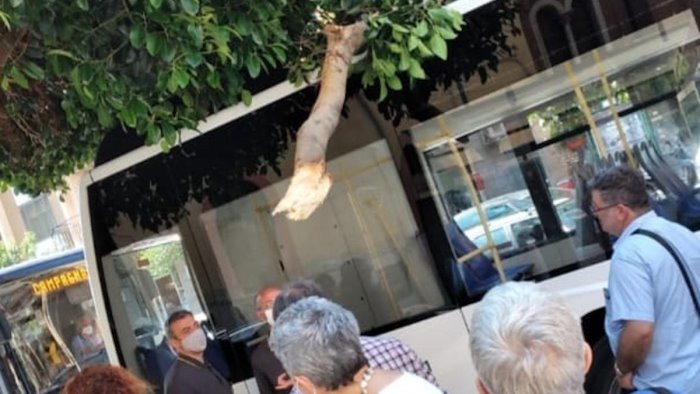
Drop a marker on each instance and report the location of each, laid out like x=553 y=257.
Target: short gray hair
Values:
x=318 y=339
x=527 y=341
x=622 y=185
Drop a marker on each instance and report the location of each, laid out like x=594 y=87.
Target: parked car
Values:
x=513 y=219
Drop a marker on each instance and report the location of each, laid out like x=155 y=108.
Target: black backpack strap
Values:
x=679 y=262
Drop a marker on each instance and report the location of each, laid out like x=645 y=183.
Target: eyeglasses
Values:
x=593 y=210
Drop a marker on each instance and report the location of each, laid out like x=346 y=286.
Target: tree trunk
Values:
x=310 y=183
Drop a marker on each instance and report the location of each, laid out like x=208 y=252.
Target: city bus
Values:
x=393 y=240
x=42 y=302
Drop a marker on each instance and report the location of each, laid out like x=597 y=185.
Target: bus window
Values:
x=154 y=281
x=49 y=307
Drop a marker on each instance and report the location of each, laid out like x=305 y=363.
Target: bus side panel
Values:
x=444 y=342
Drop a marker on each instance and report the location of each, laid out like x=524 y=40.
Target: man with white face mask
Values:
x=191 y=374
x=269 y=372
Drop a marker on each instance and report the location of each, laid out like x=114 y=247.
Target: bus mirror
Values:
x=5 y=329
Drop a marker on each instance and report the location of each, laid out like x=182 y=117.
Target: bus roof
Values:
x=39 y=264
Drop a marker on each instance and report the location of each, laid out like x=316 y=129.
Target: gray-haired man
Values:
x=526 y=341
x=381 y=352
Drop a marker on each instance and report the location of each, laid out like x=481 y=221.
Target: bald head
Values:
x=264 y=300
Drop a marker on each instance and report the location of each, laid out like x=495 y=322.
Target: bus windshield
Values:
x=50 y=311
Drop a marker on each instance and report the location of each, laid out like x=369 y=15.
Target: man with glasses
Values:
x=651 y=317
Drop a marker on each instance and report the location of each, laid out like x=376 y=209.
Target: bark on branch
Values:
x=310 y=183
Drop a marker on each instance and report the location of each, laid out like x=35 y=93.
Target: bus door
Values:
x=152 y=279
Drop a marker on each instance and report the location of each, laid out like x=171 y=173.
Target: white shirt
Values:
x=409 y=383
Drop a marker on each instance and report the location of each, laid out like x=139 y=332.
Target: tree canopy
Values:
x=72 y=70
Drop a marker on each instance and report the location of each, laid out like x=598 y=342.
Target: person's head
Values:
x=263 y=303
x=318 y=343
x=185 y=335
x=293 y=292
x=84 y=326
x=618 y=196
x=105 y=379
x=527 y=341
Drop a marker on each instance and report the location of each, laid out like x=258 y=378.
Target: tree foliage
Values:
x=71 y=70
x=11 y=253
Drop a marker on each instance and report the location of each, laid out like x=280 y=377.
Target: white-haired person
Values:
x=318 y=343
x=527 y=341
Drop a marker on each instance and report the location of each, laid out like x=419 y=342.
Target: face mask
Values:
x=268 y=316
x=87 y=331
x=196 y=342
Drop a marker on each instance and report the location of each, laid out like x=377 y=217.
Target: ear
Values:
x=480 y=387
x=305 y=383
x=174 y=343
x=587 y=357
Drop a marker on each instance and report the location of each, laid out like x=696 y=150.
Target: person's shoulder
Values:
x=410 y=383
x=260 y=354
x=381 y=342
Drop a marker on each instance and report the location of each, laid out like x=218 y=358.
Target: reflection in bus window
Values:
x=48 y=305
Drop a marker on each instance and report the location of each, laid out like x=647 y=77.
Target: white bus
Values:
x=192 y=228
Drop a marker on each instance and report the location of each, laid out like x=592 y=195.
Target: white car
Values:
x=513 y=219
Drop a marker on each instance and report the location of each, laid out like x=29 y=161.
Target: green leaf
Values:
x=153 y=43
x=396 y=48
x=18 y=77
x=196 y=34
x=382 y=89
x=421 y=30
x=5 y=84
x=116 y=102
x=213 y=79
x=404 y=62
x=438 y=46
x=138 y=108
x=16 y=3
x=128 y=117
x=253 y=65
x=280 y=53
x=413 y=42
x=167 y=52
x=104 y=117
x=82 y=4
x=156 y=3
x=33 y=71
x=137 y=36
x=190 y=6
x=246 y=97
x=165 y=146
x=152 y=134
x=394 y=82
x=182 y=78
x=446 y=33
x=5 y=20
x=194 y=59
x=187 y=99
x=416 y=70
x=61 y=52
x=399 y=29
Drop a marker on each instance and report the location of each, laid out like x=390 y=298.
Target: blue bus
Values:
x=44 y=304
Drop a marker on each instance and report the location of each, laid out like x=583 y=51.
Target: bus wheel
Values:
x=601 y=377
